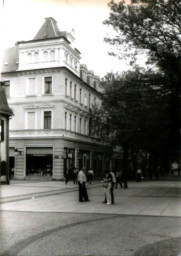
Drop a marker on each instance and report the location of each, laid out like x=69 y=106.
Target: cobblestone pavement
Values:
x=145 y=221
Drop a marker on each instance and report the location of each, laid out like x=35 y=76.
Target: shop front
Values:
x=39 y=161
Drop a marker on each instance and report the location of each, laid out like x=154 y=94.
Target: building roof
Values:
x=10 y=59
x=4 y=108
x=49 y=29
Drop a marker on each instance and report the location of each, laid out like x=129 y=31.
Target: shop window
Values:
x=48 y=85
x=47 y=120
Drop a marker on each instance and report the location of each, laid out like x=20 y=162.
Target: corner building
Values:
x=51 y=96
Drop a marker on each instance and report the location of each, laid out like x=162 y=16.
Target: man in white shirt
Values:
x=82 y=186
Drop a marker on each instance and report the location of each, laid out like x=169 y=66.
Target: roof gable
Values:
x=4 y=108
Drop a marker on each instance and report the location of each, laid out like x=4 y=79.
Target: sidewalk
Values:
x=156 y=198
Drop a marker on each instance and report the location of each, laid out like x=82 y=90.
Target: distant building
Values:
x=5 y=113
x=51 y=95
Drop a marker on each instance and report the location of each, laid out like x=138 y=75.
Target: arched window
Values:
x=29 y=57
x=45 y=56
x=36 y=56
x=52 y=55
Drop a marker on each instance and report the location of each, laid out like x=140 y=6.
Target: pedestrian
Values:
x=90 y=176
x=105 y=185
x=75 y=172
x=67 y=175
x=138 y=175
x=111 y=180
x=83 y=196
x=124 y=179
x=118 y=179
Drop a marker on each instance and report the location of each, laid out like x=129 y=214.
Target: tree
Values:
x=154 y=29
x=134 y=115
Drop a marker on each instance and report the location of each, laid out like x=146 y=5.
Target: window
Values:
x=31 y=120
x=52 y=55
x=70 y=122
x=95 y=84
x=47 y=120
x=70 y=89
x=66 y=56
x=48 y=85
x=88 y=80
x=85 y=124
x=80 y=124
x=80 y=98
x=85 y=99
x=31 y=86
x=89 y=100
x=66 y=86
x=36 y=56
x=75 y=123
x=29 y=58
x=75 y=91
x=45 y=56
x=81 y=74
x=65 y=120
x=6 y=86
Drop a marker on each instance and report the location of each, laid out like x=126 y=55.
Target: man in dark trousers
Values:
x=83 y=197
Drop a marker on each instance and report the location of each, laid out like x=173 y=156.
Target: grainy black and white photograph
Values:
x=90 y=128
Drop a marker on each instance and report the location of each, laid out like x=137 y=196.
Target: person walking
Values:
x=90 y=176
x=118 y=179
x=111 y=180
x=83 y=196
x=138 y=175
x=75 y=173
x=105 y=185
x=67 y=175
x=124 y=179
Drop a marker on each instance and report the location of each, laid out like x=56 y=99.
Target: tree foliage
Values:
x=149 y=103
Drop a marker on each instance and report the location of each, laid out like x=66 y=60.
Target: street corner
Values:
x=168 y=247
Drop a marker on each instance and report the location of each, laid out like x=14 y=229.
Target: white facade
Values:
x=51 y=105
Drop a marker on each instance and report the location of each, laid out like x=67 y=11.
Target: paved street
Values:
x=45 y=218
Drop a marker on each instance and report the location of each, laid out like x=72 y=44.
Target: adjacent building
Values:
x=5 y=114
x=51 y=96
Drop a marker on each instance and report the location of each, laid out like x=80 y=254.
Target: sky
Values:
x=21 y=20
